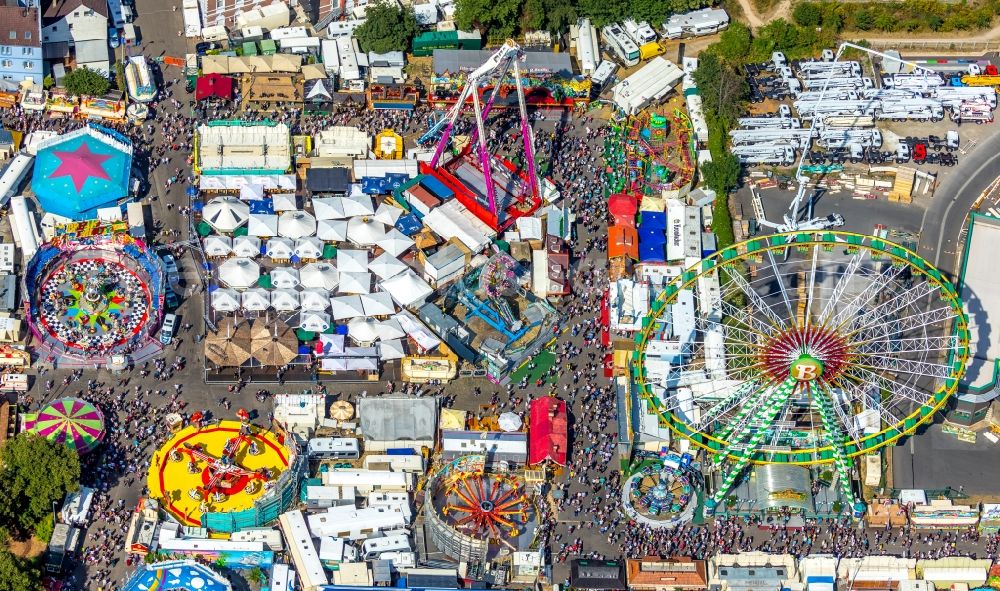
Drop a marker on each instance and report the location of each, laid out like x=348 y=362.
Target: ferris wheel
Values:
x=802 y=348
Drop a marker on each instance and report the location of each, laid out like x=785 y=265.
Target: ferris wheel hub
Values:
x=806 y=368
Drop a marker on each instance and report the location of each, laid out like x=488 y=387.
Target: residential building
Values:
x=653 y=573
x=78 y=28
x=21 y=41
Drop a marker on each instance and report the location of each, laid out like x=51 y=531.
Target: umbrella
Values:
x=341 y=410
x=256 y=299
x=329 y=208
x=387 y=214
x=229 y=345
x=246 y=246
x=378 y=304
x=390 y=329
x=322 y=275
x=239 y=272
x=71 y=421
x=225 y=300
x=356 y=205
x=284 y=277
x=225 y=214
x=352 y=261
x=314 y=300
x=385 y=266
x=273 y=343
x=285 y=300
x=355 y=283
x=218 y=246
x=509 y=422
x=314 y=321
x=365 y=231
x=332 y=230
x=363 y=330
x=263 y=224
x=296 y=224
x=395 y=242
x=347 y=307
x=390 y=349
x=279 y=248
x=284 y=202
x=309 y=247
x=254 y=192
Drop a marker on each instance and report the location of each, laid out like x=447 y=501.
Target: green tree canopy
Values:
x=723 y=88
x=498 y=18
x=807 y=14
x=387 y=27
x=733 y=44
x=18 y=575
x=84 y=81
x=34 y=474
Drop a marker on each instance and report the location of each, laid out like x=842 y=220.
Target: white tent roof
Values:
x=225 y=214
x=332 y=230
x=218 y=246
x=309 y=247
x=279 y=248
x=395 y=242
x=355 y=205
x=406 y=288
x=417 y=330
x=239 y=272
x=284 y=202
x=355 y=283
x=387 y=214
x=453 y=220
x=365 y=231
x=352 y=261
x=391 y=349
x=314 y=321
x=363 y=329
x=333 y=344
x=314 y=299
x=385 y=266
x=323 y=275
x=390 y=329
x=329 y=208
x=229 y=182
x=284 y=277
x=246 y=246
x=296 y=224
x=347 y=307
x=378 y=304
x=256 y=299
x=349 y=364
x=225 y=300
x=285 y=300
x=254 y=192
x=263 y=224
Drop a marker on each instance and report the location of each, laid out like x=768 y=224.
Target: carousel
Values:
x=663 y=491
x=218 y=468
x=94 y=292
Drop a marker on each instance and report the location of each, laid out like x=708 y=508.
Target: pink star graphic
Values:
x=80 y=165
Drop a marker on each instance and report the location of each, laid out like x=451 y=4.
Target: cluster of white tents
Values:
x=261 y=269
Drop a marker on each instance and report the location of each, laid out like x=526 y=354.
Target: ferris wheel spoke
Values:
x=846 y=420
x=891 y=387
x=903 y=324
x=737 y=398
x=836 y=438
x=878 y=281
x=778 y=279
x=756 y=325
x=841 y=286
x=903 y=300
x=926 y=344
x=810 y=288
x=756 y=300
x=910 y=366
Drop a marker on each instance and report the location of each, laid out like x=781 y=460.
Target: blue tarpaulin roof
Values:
x=653 y=219
x=408 y=224
x=261 y=206
x=652 y=252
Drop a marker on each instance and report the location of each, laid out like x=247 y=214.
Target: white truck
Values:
x=842 y=138
x=769 y=123
x=913 y=109
x=798 y=138
x=809 y=109
x=778 y=154
x=842 y=69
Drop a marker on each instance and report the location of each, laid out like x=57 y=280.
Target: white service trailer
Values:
x=799 y=138
x=780 y=154
x=769 y=123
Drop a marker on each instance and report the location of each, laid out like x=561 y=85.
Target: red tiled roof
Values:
x=548 y=431
x=680 y=572
x=19 y=27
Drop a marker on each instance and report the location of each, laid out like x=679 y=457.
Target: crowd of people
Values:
x=585 y=518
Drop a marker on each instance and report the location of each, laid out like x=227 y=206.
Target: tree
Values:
x=864 y=20
x=17 y=575
x=48 y=82
x=602 y=12
x=120 y=76
x=34 y=474
x=559 y=14
x=84 y=81
x=733 y=44
x=807 y=14
x=387 y=27
x=44 y=528
x=499 y=18
x=723 y=88
x=723 y=173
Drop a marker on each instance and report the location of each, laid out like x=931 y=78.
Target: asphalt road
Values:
x=953 y=198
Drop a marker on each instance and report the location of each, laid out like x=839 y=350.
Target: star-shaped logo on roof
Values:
x=80 y=165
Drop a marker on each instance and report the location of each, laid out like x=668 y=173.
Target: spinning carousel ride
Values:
x=94 y=292
x=478 y=514
x=224 y=467
x=663 y=493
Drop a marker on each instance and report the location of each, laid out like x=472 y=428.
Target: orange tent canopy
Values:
x=623 y=241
